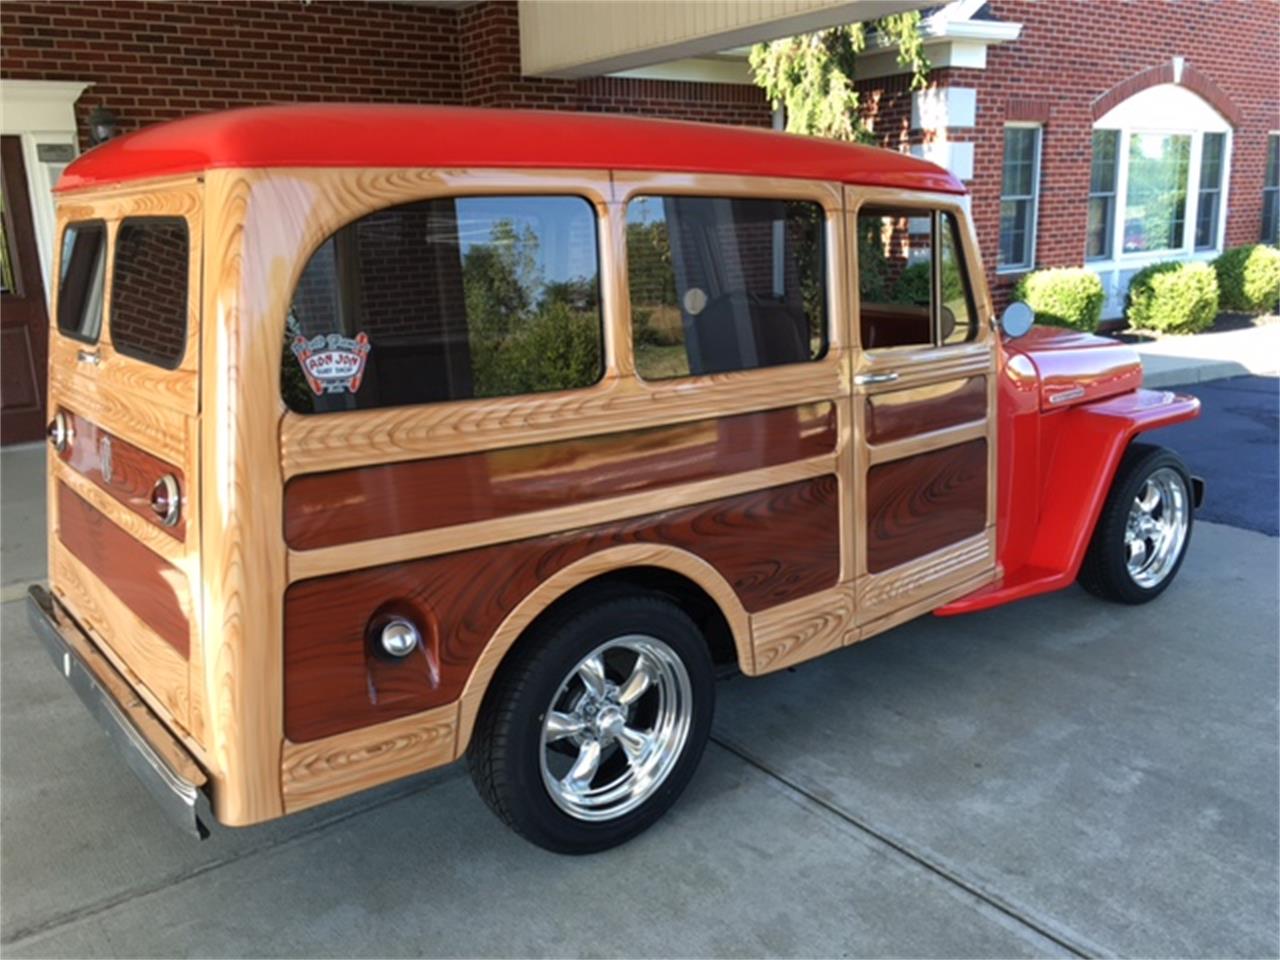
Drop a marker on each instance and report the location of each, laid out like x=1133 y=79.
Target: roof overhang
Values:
x=582 y=38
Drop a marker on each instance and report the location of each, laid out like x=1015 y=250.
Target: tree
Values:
x=813 y=75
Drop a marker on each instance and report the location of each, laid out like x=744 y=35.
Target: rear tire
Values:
x=593 y=730
x=1144 y=528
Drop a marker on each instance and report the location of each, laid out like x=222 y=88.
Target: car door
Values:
x=924 y=406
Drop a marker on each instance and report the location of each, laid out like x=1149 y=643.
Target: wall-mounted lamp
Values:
x=103 y=125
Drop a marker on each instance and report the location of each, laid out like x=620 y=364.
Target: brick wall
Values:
x=1071 y=53
x=154 y=61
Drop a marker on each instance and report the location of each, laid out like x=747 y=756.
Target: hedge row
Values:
x=1168 y=297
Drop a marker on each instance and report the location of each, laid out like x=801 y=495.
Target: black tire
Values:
x=505 y=754
x=1105 y=571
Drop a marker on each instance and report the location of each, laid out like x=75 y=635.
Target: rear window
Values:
x=149 y=290
x=720 y=284
x=447 y=299
x=84 y=247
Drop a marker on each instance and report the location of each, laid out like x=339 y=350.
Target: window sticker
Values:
x=332 y=363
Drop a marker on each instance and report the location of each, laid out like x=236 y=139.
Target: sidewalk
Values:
x=1211 y=356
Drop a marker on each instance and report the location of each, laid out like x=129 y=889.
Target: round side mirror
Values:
x=1017 y=319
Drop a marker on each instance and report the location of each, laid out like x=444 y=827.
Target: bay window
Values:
x=1159 y=186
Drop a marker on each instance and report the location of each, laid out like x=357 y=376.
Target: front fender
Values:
x=1080 y=456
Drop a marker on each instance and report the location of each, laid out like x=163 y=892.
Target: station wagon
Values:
x=388 y=436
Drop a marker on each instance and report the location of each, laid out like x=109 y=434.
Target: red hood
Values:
x=1077 y=368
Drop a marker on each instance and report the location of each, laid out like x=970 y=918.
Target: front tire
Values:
x=591 y=733
x=1144 y=529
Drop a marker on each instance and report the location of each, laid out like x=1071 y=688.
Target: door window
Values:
x=913 y=287
x=84 y=247
x=149 y=290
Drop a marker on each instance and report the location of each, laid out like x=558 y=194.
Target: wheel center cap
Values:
x=609 y=722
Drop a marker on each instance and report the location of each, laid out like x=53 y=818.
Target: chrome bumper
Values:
x=157 y=757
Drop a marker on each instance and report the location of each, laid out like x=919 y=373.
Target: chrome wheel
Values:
x=1157 y=527
x=616 y=727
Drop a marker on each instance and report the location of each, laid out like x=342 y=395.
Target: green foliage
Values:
x=527 y=336
x=1173 y=298
x=813 y=75
x=914 y=285
x=1063 y=297
x=1249 y=278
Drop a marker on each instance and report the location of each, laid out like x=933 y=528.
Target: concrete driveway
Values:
x=1059 y=777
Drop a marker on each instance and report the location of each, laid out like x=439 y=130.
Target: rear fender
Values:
x=1085 y=450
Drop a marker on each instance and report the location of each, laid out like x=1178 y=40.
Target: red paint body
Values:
x=1058 y=457
x=385 y=135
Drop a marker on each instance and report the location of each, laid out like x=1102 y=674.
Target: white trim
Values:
x=1171 y=110
x=940 y=109
x=41 y=112
x=694 y=69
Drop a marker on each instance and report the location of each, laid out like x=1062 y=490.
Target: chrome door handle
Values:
x=863 y=379
x=88 y=356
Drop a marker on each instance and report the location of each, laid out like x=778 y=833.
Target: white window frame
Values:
x=1033 y=227
x=1168 y=109
x=1114 y=194
x=1220 y=190
x=1186 y=248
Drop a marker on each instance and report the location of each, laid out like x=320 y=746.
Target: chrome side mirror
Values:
x=1017 y=319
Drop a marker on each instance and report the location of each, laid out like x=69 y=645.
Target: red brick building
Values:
x=1107 y=134
x=1091 y=131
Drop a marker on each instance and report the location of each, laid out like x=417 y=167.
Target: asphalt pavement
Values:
x=1059 y=777
x=1233 y=446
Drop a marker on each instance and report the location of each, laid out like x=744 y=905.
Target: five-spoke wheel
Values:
x=616 y=727
x=594 y=727
x=1143 y=531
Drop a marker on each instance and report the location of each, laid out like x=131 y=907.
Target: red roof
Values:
x=384 y=135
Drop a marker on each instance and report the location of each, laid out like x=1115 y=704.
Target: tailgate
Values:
x=124 y=474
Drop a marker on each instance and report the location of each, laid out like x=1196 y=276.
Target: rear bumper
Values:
x=158 y=758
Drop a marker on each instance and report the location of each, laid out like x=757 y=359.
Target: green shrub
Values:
x=1249 y=278
x=915 y=281
x=1173 y=298
x=1063 y=297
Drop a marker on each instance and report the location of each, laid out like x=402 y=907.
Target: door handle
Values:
x=864 y=379
x=88 y=356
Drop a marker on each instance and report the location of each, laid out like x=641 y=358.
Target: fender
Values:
x=1080 y=449
x=553 y=588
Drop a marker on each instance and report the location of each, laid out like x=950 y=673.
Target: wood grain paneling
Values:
x=899 y=414
x=324 y=510
x=141 y=579
x=920 y=504
x=771 y=545
x=133 y=471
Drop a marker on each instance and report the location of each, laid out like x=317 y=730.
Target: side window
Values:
x=913 y=288
x=84 y=249
x=149 y=290
x=719 y=284
x=447 y=299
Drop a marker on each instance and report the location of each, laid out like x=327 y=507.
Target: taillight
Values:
x=166 y=500
x=60 y=432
